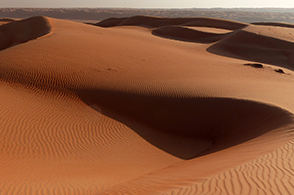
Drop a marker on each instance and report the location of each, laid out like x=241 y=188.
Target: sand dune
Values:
x=6 y=20
x=92 y=110
x=287 y=25
x=22 y=31
x=148 y=21
x=178 y=28
x=266 y=44
x=187 y=34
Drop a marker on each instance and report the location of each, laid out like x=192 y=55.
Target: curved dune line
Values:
x=186 y=34
x=152 y=22
x=254 y=46
x=22 y=31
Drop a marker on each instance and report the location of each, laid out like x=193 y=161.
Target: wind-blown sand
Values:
x=145 y=106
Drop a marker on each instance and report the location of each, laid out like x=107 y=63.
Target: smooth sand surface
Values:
x=118 y=110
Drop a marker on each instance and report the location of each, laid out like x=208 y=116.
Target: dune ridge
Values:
x=126 y=112
x=17 y=32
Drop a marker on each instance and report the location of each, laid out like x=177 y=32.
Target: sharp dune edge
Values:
x=92 y=110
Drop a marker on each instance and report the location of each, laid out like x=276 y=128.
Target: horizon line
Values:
x=146 y=7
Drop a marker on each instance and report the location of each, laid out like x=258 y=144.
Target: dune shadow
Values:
x=188 y=127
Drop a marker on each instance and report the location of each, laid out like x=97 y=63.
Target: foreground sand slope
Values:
x=91 y=110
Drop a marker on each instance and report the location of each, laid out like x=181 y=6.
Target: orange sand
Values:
x=93 y=110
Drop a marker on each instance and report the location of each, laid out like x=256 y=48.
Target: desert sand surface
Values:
x=146 y=105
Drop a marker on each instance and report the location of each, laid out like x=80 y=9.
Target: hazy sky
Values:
x=148 y=3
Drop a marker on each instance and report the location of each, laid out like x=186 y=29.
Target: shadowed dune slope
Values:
x=153 y=22
x=266 y=44
x=187 y=34
x=22 y=31
x=210 y=124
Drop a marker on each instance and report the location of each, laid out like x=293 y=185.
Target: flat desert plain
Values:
x=146 y=105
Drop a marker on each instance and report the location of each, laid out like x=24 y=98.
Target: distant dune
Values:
x=145 y=105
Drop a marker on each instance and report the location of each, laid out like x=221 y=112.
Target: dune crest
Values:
x=17 y=32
